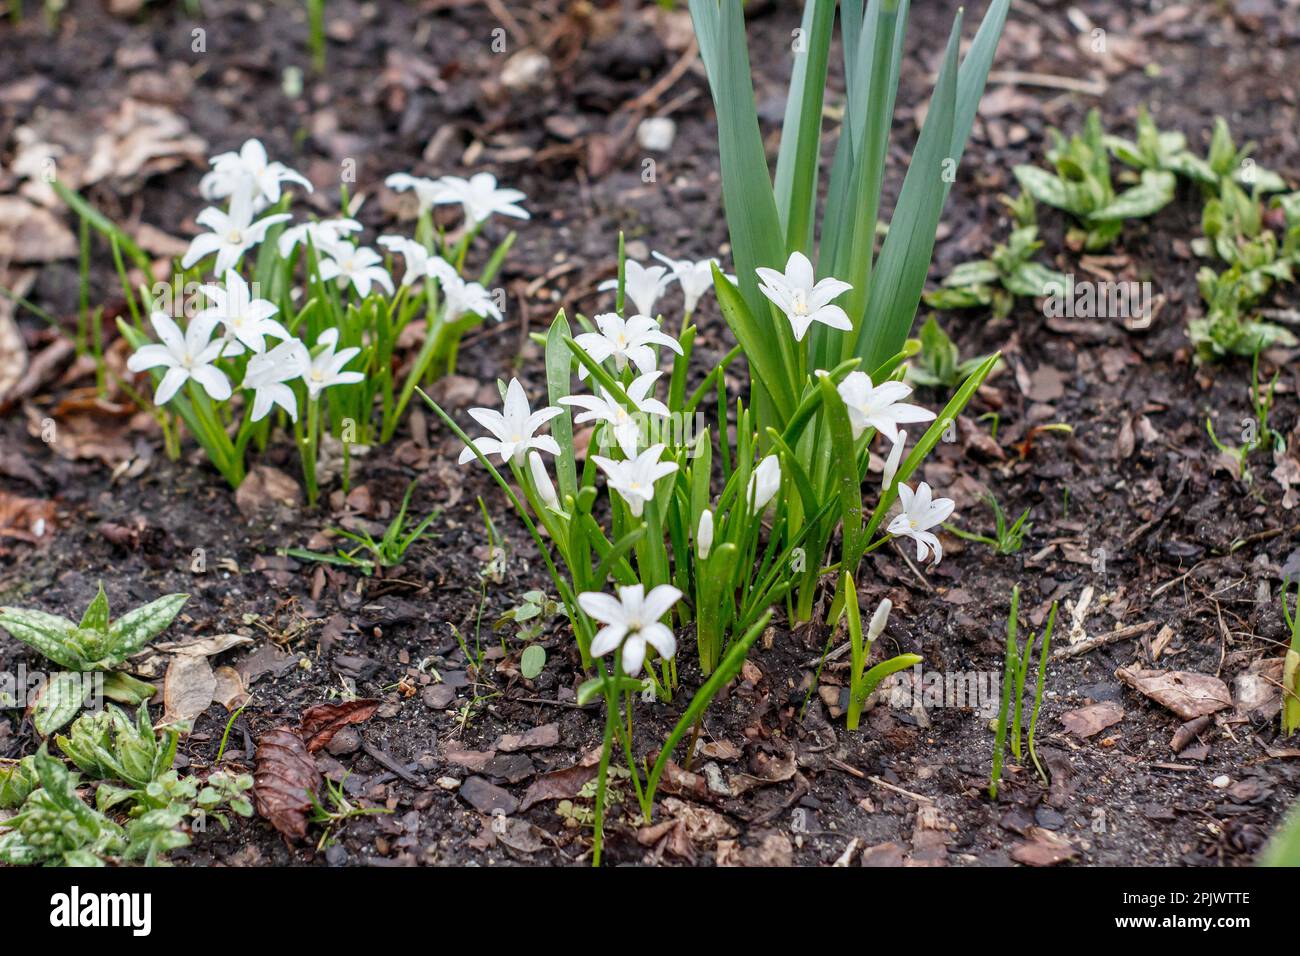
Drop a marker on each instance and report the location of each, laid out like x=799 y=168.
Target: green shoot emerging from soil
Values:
x=1081 y=185
x=388 y=551
x=1015 y=669
x=996 y=281
x=1006 y=538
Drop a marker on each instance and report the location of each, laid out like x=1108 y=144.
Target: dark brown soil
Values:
x=1186 y=546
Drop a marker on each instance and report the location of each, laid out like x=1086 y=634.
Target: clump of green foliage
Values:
x=1015 y=669
x=937 y=362
x=1081 y=185
x=388 y=551
x=1007 y=538
x=97 y=644
x=996 y=281
x=55 y=827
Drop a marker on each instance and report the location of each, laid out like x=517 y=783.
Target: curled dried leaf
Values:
x=285 y=780
x=322 y=722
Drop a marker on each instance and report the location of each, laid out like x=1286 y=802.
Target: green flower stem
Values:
x=307 y=448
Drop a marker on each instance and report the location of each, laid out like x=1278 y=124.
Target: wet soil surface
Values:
x=1136 y=522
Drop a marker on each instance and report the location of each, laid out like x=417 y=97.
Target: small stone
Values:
x=438 y=696
x=346 y=741
x=655 y=134
x=1223 y=782
x=526 y=70
x=448 y=783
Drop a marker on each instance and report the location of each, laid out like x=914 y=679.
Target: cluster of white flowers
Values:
x=250 y=184
x=643 y=285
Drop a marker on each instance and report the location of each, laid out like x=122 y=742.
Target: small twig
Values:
x=1143 y=530
x=1092 y=643
x=1048 y=81
x=918 y=797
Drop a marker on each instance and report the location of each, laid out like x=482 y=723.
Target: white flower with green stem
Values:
x=247 y=320
x=921 y=511
x=625 y=341
x=249 y=171
x=358 y=266
x=514 y=428
x=187 y=356
x=633 y=622
x=230 y=234
x=634 y=478
x=626 y=425
x=643 y=285
x=803 y=299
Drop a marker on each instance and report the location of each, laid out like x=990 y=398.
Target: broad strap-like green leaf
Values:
x=135 y=629
x=799 y=156
x=63 y=695
x=900 y=274
x=752 y=219
x=46 y=633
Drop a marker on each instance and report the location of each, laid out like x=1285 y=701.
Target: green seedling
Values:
x=1081 y=185
x=1257 y=434
x=863 y=681
x=1006 y=538
x=386 y=552
x=1015 y=669
x=530 y=619
x=997 y=281
x=937 y=362
x=336 y=809
x=93 y=646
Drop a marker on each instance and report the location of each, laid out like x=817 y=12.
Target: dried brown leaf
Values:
x=284 y=781
x=322 y=722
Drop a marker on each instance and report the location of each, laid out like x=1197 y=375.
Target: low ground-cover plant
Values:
x=1257 y=433
x=1007 y=537
x=936 y=361
x=996 y=281
x=303 y=324
x=1081 y=185
x=387 y=551
x=96 y=647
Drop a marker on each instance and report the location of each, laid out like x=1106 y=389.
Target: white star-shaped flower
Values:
x=326 y=367
x=880 y=406
x=268 y=373
x=480 y=197
x=186 y=356
x=248 y=171
x=695 y=278
x=231 y=234
x=632 y=621
x=247 y=320
x=626 y=426
x=426 y=191
x=325 y=235
x=920 y=513
x=358 y=266
x=515 y=431
x=634 y=479
x=801 y=299
x=641 y=284
x=625 y=341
